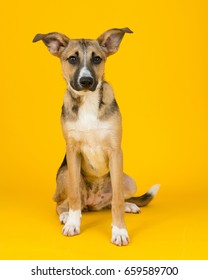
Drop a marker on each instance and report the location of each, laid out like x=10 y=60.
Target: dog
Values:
x=91 y=175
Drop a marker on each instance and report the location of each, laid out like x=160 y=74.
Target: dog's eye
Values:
x=73 y=59
x=96 y=59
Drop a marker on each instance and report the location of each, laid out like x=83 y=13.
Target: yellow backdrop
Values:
x=160 y=80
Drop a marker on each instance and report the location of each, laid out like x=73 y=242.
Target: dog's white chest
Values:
x=88 y=121
x=87 y=116
x=90 y=133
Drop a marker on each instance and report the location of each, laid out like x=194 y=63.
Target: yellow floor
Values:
x=173 y=226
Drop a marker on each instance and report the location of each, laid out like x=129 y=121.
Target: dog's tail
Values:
x=145 y=199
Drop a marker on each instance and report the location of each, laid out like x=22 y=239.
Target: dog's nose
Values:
x=86 y=82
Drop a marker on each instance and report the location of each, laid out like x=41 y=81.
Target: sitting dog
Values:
x=91 y=175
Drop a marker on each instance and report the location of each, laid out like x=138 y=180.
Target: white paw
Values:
x=119 y=236
x=63 y=217
x=70 y=230
x=131 y=208
x=72 y=225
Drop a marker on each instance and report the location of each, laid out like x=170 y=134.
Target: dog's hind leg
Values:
x=63 y=211
x=130 y=188
x=60 y=196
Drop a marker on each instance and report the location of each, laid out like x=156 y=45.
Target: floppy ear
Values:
x=55 y=42
x=111 y=39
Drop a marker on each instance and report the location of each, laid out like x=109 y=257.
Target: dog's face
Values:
x=83 y=65
x=83 y=60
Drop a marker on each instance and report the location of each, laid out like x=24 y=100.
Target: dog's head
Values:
x=82 y=59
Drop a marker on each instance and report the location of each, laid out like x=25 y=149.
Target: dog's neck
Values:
x=92 y=100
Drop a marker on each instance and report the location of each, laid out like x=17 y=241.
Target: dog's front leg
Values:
x=72 y=226
x=119 y=232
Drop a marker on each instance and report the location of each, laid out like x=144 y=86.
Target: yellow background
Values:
x=160 y=80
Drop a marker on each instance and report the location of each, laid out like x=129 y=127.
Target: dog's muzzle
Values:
x=86 y=82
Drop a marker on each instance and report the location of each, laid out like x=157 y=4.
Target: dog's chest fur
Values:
x=87 y=116
x=89 y=133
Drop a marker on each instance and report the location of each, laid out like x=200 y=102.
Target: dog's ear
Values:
x=111 y=39
x=55 y=42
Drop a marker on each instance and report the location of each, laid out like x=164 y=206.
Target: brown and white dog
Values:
x=91 y=175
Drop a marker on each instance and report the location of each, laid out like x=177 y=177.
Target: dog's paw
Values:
x=63 y=217
x=72 y=225
x=119 y=236
x=70 y=230
x=131 y=208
